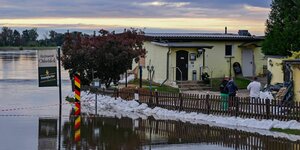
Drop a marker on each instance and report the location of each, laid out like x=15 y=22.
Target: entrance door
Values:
x=248 y=63
x=182 y=63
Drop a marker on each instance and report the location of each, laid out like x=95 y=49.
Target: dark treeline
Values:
x=29 y=37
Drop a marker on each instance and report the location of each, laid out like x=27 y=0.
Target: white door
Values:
x=247 y=60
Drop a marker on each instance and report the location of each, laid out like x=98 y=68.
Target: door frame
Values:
x=185 y=71
x=248 y=54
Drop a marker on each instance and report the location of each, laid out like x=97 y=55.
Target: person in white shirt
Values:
x=254 y=88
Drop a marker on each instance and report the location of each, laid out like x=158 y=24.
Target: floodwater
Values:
x=29 y=121
x=23 y=103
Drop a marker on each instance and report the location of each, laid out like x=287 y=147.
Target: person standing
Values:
x=232 y=90
x=254 y=88
x=224 y=93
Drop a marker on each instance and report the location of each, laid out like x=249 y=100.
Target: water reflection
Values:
x=19 y=86
x=127 y=134
x=47 y=133
x=18 y=64
x=103 y=133
x=22 y=102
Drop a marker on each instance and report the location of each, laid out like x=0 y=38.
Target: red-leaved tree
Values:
x=109 y=54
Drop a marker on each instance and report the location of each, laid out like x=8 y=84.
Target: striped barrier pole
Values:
x=77 y=108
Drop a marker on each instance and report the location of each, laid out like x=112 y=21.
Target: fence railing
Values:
x=179 y=132
x=243 y=107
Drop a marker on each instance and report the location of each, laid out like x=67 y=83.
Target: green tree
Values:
x=6 y=36
x=282 y=28
x=29 y=37
x=52 y=35
x=16 y=38
x=1 y=40
x=33 y=35
x=56 y=39
x=25 y=37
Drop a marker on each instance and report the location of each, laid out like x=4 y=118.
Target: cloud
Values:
x=163 y=4
x=194 y=24
x=256 y=9
x=190 y=14
x=128 y=8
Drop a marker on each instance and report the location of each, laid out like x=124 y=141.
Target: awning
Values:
x=182 y=45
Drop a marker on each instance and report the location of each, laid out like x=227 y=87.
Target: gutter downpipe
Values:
x=167 y=76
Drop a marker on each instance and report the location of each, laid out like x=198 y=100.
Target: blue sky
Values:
x=154 y=15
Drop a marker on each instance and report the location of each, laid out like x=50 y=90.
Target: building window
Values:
x=228 y=50
x=192 y=56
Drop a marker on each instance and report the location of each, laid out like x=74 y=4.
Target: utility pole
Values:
x=60 y=101
x=141 y=72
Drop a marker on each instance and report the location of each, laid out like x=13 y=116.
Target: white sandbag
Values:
x=266 y=95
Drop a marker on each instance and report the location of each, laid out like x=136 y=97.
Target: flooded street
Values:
x=29 y=121
x=22 y=102
x=150 y=134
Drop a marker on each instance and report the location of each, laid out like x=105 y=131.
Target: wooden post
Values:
x=141 y=76
x=236 y=101
x=136 y=95
x=267 y=108
x=156 y=97
x=181 y=101
x=103 y=90
x=207 y=104
x=115 y=93
x=126 y=78
x=151 y=98
x=297 y=110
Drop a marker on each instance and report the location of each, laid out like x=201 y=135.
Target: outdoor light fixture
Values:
x=150 y=75
x=200 y=51
x=271 y=62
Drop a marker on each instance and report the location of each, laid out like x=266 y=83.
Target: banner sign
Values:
x=47 y=68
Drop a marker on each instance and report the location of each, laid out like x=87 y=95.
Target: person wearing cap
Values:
x=224 y=93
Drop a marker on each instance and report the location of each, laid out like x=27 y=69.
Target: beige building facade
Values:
x=186 y=56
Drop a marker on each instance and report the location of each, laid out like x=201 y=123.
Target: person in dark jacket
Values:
x=224 y=93
x=205 y=78
x=232 y=90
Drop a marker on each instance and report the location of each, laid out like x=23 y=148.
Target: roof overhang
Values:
x=250 y=44
x=292 y=61
x=182 y=45
x=202 y=37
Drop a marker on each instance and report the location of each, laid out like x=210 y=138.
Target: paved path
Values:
x=241 y=93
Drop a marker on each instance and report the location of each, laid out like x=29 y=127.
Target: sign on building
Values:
x=47 y=68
